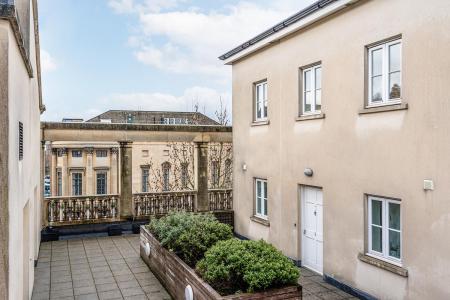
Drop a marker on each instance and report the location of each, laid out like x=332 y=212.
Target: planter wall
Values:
x=176 y=275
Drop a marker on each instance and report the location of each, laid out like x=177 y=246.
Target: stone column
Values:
x=202 y=176
x=90 y=186
x=53 y=177
x=64 y=173
x=114 y=171
x=126 y=194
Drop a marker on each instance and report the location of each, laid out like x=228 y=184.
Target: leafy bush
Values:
x=234 y=265
x=189 y=235
x=199 y=237
x=169 y=228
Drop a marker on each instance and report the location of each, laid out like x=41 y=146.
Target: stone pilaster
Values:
x=114 y=170
x=126 y=194
x=202 y=176
x=64 y=173
x=53 y=177
x=90 y=182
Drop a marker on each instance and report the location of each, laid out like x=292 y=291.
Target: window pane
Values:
x=258 y=205
x=318 y=78
x=265 y=206
x=318 y=99
x=394 y=244
x=258 y=188
x=376 y=212
x=264 y=87
x=265 y=189
x=376 y=239
x=376 y=89
x=308 y=80
x=265 y=110
x=394 y=57
x=377 y=62
x=258 y=110
x=308 y=101
x=394 y=216
x=394 y=85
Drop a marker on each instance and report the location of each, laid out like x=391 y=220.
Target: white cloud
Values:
x=189 y=40
x=48 y=63
x=208 y=100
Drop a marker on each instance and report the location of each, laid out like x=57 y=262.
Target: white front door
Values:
x=312 y=228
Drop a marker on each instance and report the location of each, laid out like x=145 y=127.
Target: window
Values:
x=59 y=183
x=312 y=90
x=228 y=172
x=102 y=183
x=261 y=101
x=215 y=174
x=384 y=222
x=20 y=140
x=184 y=175
x=101 y=153
x=77 y=184
x=145 y=176
x=385 y=70
x=76 y=153
x=166 y=176
x=261 y=198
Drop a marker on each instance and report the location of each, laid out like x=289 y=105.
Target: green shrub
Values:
x=234 y=265
x=189 y=235
x=199 y=237
x=169 y=228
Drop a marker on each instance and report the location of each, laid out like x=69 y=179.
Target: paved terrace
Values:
x=111 y=268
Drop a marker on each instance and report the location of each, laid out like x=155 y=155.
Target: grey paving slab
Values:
x=94 y=268
x=315 y=288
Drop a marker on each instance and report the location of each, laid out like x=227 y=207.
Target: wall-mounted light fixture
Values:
x=308 y=172
x=244 y=167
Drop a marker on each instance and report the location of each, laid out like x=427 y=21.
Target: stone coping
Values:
x=136 y=127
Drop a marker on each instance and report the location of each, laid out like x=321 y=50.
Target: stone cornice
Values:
x=135 y=127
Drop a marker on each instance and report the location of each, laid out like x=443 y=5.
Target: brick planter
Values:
x=176 y=276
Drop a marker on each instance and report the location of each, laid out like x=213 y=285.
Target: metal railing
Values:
x=80 y=209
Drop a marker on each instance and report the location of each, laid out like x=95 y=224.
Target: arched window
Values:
x=165 y=176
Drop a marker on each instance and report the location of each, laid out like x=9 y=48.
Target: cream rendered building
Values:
x=20 y=148
x=342 y=146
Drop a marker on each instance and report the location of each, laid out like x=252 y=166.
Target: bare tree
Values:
x=220 y=165
x=222 y=114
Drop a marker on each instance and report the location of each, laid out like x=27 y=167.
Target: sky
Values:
x=98 y=55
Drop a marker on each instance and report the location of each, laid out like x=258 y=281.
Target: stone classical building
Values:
x=92 y=168
x=20 y=160
x=341 y=143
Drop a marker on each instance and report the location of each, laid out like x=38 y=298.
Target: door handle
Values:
x=304 y=231
x=315 y=213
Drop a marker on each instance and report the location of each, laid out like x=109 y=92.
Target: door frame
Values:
x=302 y=188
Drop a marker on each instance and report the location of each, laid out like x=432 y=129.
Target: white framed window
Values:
x=385 y=73
x=261 y=198
x=385 y=228
x=312 y=90
x=261 y=101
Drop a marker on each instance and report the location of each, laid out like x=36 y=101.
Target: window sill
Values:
x=310 y=117
x=260 y=123
x=383 y=265
x=260 y=221
x=383 y=108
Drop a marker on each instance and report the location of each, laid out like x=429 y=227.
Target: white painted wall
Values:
x=24 y=181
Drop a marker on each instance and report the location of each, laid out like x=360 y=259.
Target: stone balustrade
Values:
x=80 y=209
x=220 y=199
x=106 y=208
x=148 y=204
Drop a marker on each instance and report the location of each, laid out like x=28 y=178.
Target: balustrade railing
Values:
x=220 y=199
x=147 y=204
x=81 y=209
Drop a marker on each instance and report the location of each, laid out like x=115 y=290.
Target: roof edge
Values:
x=286 y=27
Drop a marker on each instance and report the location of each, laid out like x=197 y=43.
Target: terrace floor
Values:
x=111 y=268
